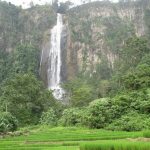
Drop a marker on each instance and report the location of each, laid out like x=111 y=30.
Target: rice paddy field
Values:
x=73 y=138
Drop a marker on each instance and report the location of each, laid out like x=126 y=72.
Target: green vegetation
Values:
x=108 y=101
x=22 y=94
x=25 y=98
x=131 y=122
x=69 y=138
x=18 y=26
x=146 y=134
x=115 y=145
x=7 y=122
x=49 y=118
x=25 y=58
x=122 y=90
x=117 y=31
x=80 y=92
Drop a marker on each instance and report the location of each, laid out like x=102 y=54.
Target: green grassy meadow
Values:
x=71 y=138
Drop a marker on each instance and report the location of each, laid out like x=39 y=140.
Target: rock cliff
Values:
x=97 y=31
x=92 y=37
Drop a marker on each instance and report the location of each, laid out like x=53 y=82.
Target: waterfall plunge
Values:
x=54 y=68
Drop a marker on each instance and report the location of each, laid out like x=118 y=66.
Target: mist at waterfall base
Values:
x=54 y=62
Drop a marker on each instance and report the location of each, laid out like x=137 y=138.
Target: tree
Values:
x=26 y=59
x=31 y=4
x=131 y=121
x=72 y=117
x=25 y=98
x=63 y=7
x=100 y=113
x=5 y=67
x=49 y=118
x=55 y=4
x=135 y=48
x=80 y=92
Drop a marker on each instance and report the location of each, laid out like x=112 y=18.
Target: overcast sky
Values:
x=25 y=3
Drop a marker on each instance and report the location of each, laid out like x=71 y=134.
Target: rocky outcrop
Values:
x=97 y=31
x=24 y=26
x=92 y=33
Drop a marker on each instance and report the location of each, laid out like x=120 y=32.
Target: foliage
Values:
x=7 y=122
x=25 y=98
x=48 y=118
x=62 y=9
x=140 y=78
x=104 y=88
x=117 y=31
x=26 y=59
x=131 y=121
x=99 y=113
x=147 y=20
x=103 y=70
x=4 y=65
x=72 y=117
x=80 y=92
x=18 y=26
x=21 y=37
x=132 y=53
x=8 y=25
x=131 y=70
x=103 y=111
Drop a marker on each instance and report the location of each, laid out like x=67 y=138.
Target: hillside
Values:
x=97 y=32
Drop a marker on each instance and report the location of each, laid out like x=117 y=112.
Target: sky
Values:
x=25 y=3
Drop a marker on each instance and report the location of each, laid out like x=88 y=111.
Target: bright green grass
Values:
x=146 y=134
x=45 y=138
x=115 y=145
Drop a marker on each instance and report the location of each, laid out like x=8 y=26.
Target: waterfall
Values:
x=54 y=64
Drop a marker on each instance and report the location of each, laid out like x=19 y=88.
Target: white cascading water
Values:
x=54 y=68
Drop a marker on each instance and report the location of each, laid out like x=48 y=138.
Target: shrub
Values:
x=100 y=113
x=72 y=116
x=49 y=118
x=7 y=122
x=131 y=122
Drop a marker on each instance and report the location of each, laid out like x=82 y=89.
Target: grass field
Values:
x=72 y=138
x=115 y=145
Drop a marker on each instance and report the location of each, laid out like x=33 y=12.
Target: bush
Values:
x=49 y=118
x=72 y=116
x=135 y=100
x=131 y=122
x=100 y=113
x=7 y=122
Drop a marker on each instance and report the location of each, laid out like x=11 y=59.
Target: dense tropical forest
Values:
x=111 y=101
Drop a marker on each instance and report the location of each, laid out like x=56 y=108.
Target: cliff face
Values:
x=92 y=36
x=97 y=31
x=29 y=26
x=18 y=26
